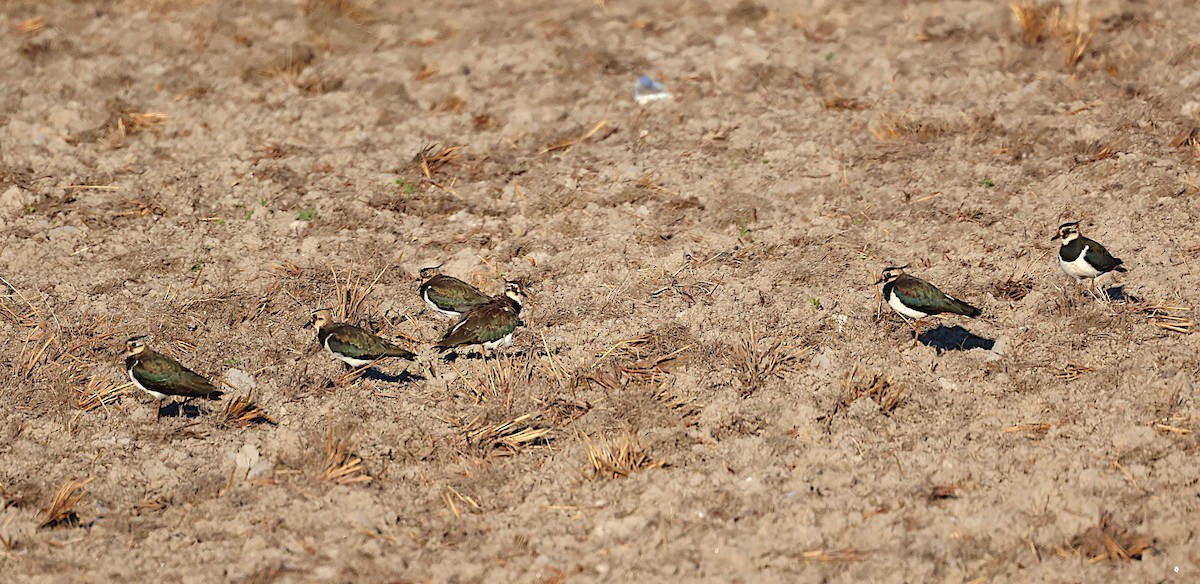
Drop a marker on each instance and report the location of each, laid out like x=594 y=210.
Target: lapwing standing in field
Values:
x=161 y=376
x=1083 y=258
x=352 y=345
x=915 y=298
x=490 y=325
x=448 y=295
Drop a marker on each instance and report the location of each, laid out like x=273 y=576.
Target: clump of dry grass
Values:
x=508 y=436
x=891 y=126
x=33 y=350
x=1035 y=19
x=61 y=510
x=618 y=457
x=637 y=360
x=342 y=466
x=17 y=308
x=1108 y=541
x=844 y=555
x=754 y=362
x=1040 y=21
x=8 y=541
x=434 y=158
x=568 y=143
x=1014 y=288
x=1167 y=317
x=352 y=291
x=878 y=388
x=1190 y=138
x=242 y=411
x=838 y=102
x=124 y=120
x=501 y=373
x=1035 y=429
x=264 y=304
x=1072 y=372
x=98 y=393
x=453 y=498
x=559 y=411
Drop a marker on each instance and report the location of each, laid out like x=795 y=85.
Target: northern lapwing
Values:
x=161 y=376
x=448 y=295
x=490 y=325
x=915 y=298
x=1083 y=258
x=352 y=345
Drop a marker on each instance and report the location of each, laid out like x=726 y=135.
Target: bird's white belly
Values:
x=1079 y=268
x=506 y=341
x=351 y=361
x=153 y=393
x=894 y=302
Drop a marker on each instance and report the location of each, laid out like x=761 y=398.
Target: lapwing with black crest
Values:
x=914 y=298
x=352 y=345
x=1083 y=258
x=161 y=376
x=489 y=325
x=448 y=295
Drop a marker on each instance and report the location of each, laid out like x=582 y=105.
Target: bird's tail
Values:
x=960 y=307
x=401 y=353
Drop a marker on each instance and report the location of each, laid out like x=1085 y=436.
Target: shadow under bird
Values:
x=161 y=376
x=915 y=298
x=490 y=325
x=1083 y=258
x=352 y=345
x=448 y=295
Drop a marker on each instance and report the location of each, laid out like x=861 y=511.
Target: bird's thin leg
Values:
x=157 y=410
x=914 y=324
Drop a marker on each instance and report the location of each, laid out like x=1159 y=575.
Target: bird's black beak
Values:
x=1055 y=238
x=880 y=280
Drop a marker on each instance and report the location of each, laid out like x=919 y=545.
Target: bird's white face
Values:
x=515 y=291
x=134 y=347
x=890 y=274
x=427 y=273
x=1068 y=232
x=320 y=318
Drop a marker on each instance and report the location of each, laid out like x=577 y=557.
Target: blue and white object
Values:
x=648 y=90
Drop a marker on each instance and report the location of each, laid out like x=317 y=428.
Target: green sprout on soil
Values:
x=829 y=57
x=307 y=214
x=987 y=183
x=744 y=231
x=816 y=303
x=406 y=186
x=196 y=267
x=233 y=362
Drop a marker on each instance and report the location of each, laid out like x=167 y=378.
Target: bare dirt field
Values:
x=706 y=389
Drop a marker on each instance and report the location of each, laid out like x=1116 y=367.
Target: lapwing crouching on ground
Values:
x=915 y=298
x=352 y=345
x=1083 y=258
x=161 y=376
x=490 y=325
x=448 y=295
